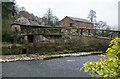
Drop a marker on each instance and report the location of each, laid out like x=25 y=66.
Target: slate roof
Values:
x=34 y=26
x=78 y=19
x=34 y=23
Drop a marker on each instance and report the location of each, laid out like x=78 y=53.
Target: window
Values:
x=76 y=24
x=88 y=25
x=62 y=24
x=81 y=24
x=84 y=25
x=66 y=24
x=91 y=26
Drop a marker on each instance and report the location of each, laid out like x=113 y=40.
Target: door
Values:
x=71 y=24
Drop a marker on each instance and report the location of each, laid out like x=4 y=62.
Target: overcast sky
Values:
x=106 y=10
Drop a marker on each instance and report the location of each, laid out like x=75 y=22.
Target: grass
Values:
x=10 y=44
x=53 y=53
x=68 y=51
x=64 y=51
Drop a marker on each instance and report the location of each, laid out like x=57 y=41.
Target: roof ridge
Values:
x=75 y=17
x=78 y=19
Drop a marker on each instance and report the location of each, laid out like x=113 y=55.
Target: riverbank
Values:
x=10 y=58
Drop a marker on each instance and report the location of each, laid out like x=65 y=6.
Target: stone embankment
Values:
x=9 y=58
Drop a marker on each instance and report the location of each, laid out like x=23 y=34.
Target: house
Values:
x=75 y=22
x=25 y=21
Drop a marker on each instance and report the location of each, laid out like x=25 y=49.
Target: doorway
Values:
x=30 y=38
x=71 y=24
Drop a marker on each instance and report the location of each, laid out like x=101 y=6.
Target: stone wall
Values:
x=39 y=38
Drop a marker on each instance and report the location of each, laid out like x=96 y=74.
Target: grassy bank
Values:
x=84 y=44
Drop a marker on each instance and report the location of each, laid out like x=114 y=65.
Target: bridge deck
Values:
x=45 y=30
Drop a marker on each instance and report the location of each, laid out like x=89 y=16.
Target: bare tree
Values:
x=55 y=20
x=92 y=16
x=22 y=9
x=16 y=7
x=44 y=19
x=49 y=18
x=102 y=24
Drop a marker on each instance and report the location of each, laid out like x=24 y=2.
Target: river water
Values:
x=58 y=67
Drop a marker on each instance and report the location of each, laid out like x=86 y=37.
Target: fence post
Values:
x=78 y=31
x=60 y=31
x=44 y=31
x=94 y=32
x=111 y=34
x=88 y=31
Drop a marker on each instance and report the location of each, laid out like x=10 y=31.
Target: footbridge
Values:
x=47 y=31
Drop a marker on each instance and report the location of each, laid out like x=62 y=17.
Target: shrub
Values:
x=108 y=67
x=11 y=51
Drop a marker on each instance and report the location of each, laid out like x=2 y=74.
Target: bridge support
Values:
x=39 y=38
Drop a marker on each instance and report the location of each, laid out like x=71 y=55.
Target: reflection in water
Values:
x=70 y=60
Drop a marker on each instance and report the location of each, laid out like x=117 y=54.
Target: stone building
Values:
x=75 y=22
x=22 y=32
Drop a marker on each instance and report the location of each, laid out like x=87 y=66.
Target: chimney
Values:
x=36 y=19
x=29 y=19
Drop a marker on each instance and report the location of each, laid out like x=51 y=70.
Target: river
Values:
x=58 y=67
